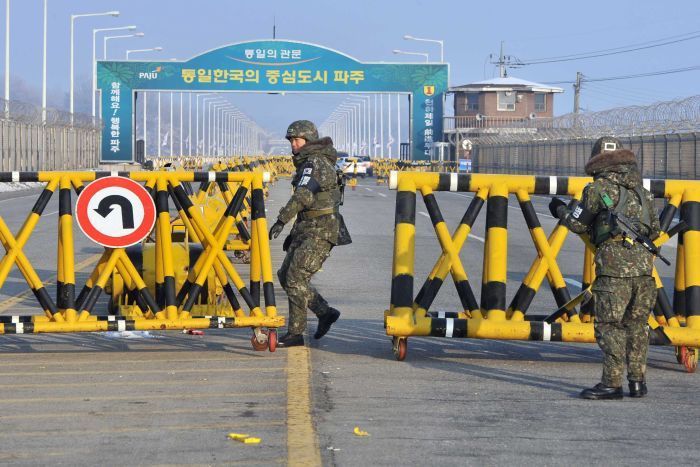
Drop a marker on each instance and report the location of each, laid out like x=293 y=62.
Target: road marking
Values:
x=124 y=413
x=127 y=382
x=50 y=213
x=509 y=206
x=475 y=237
x=132 y=397
x=573 y=282
x=172 y=371
x=142 y=429
x=36 y=195
x=380 y=194
x=74 y=362
x=16 y=299
x=302 y=442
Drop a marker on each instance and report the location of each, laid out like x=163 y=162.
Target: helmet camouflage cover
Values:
x=302 y=129
x=605 y=144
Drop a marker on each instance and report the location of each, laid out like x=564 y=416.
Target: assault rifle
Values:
x=631 y=234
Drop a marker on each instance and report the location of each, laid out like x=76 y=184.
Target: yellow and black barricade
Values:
x=677 y=324
x=159 y=305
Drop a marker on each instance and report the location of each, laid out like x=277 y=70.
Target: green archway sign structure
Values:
x=269 y=66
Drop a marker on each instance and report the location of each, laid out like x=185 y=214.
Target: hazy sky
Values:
x=369 y=31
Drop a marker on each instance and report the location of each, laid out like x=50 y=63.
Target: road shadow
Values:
x=476 y=357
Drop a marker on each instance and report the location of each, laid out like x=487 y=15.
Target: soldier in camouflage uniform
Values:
x=624 y=291
x=315 y=204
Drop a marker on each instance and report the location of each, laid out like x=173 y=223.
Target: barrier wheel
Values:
x=400 y=347
x=259 y=345
x=690 y=360
x=680 y=351
x=272 y=340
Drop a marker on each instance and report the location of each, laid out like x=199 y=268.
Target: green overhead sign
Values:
x=269 y=66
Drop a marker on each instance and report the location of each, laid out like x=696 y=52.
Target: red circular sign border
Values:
x=108 y=241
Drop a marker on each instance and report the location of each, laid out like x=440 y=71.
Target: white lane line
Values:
x=517 y=208
x=460 y=194
x=477 y=238
x=49 y=213
x=380 y=194
x=573 y=282
x=36 y=195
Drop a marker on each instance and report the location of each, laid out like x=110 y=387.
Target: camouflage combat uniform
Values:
x=314 y=202
x=624 y=291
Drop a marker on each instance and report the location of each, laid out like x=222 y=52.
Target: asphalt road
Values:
x=172 y=398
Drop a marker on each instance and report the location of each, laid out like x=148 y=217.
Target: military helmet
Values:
x=302 y=129
x=605 y=144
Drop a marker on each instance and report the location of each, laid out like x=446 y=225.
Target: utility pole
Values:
x=502 y=72
x=505 y=61
x=577 y=91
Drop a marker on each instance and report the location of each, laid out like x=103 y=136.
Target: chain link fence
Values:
x=33 y=139
x=664 y=136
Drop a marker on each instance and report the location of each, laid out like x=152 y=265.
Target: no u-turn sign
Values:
x=115 y=212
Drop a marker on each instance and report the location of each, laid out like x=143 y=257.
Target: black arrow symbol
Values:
x=105 y=207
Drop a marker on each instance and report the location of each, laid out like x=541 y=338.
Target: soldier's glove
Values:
x=557 y=207
x=276 y=229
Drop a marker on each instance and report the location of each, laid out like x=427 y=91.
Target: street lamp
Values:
x=208 y=107
x=153 y=49
x=124 y=36
x=204 y=120
x=356 y=109
x=366 y=127
x=442 y=44
x=72 y=48
x=422 y=54
x=7 y=57
x=94 y=59
x=347 y=119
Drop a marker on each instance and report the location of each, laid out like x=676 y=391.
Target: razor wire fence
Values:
x=33 y=138
x=664 y=136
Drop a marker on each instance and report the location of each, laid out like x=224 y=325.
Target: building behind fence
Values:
x=664 y=136
x=33 y=139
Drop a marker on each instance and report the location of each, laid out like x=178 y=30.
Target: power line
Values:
x=614 y=51
x=638 y=75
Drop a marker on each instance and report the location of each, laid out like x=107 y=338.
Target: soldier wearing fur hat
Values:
x=624 y=291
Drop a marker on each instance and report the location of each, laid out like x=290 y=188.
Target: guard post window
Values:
x=471 y=102
x=540 y=102
x=506 y=100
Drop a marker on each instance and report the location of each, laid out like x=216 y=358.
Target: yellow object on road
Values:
x=359 y=432
x=244 y=438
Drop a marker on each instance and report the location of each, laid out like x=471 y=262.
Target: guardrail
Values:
x=677 y=324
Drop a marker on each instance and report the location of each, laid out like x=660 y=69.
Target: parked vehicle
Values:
x=351 y=165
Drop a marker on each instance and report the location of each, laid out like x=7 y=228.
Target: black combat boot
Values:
x=290 y=340
x=325 y=322
x=601 y=391
x=638 y=389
